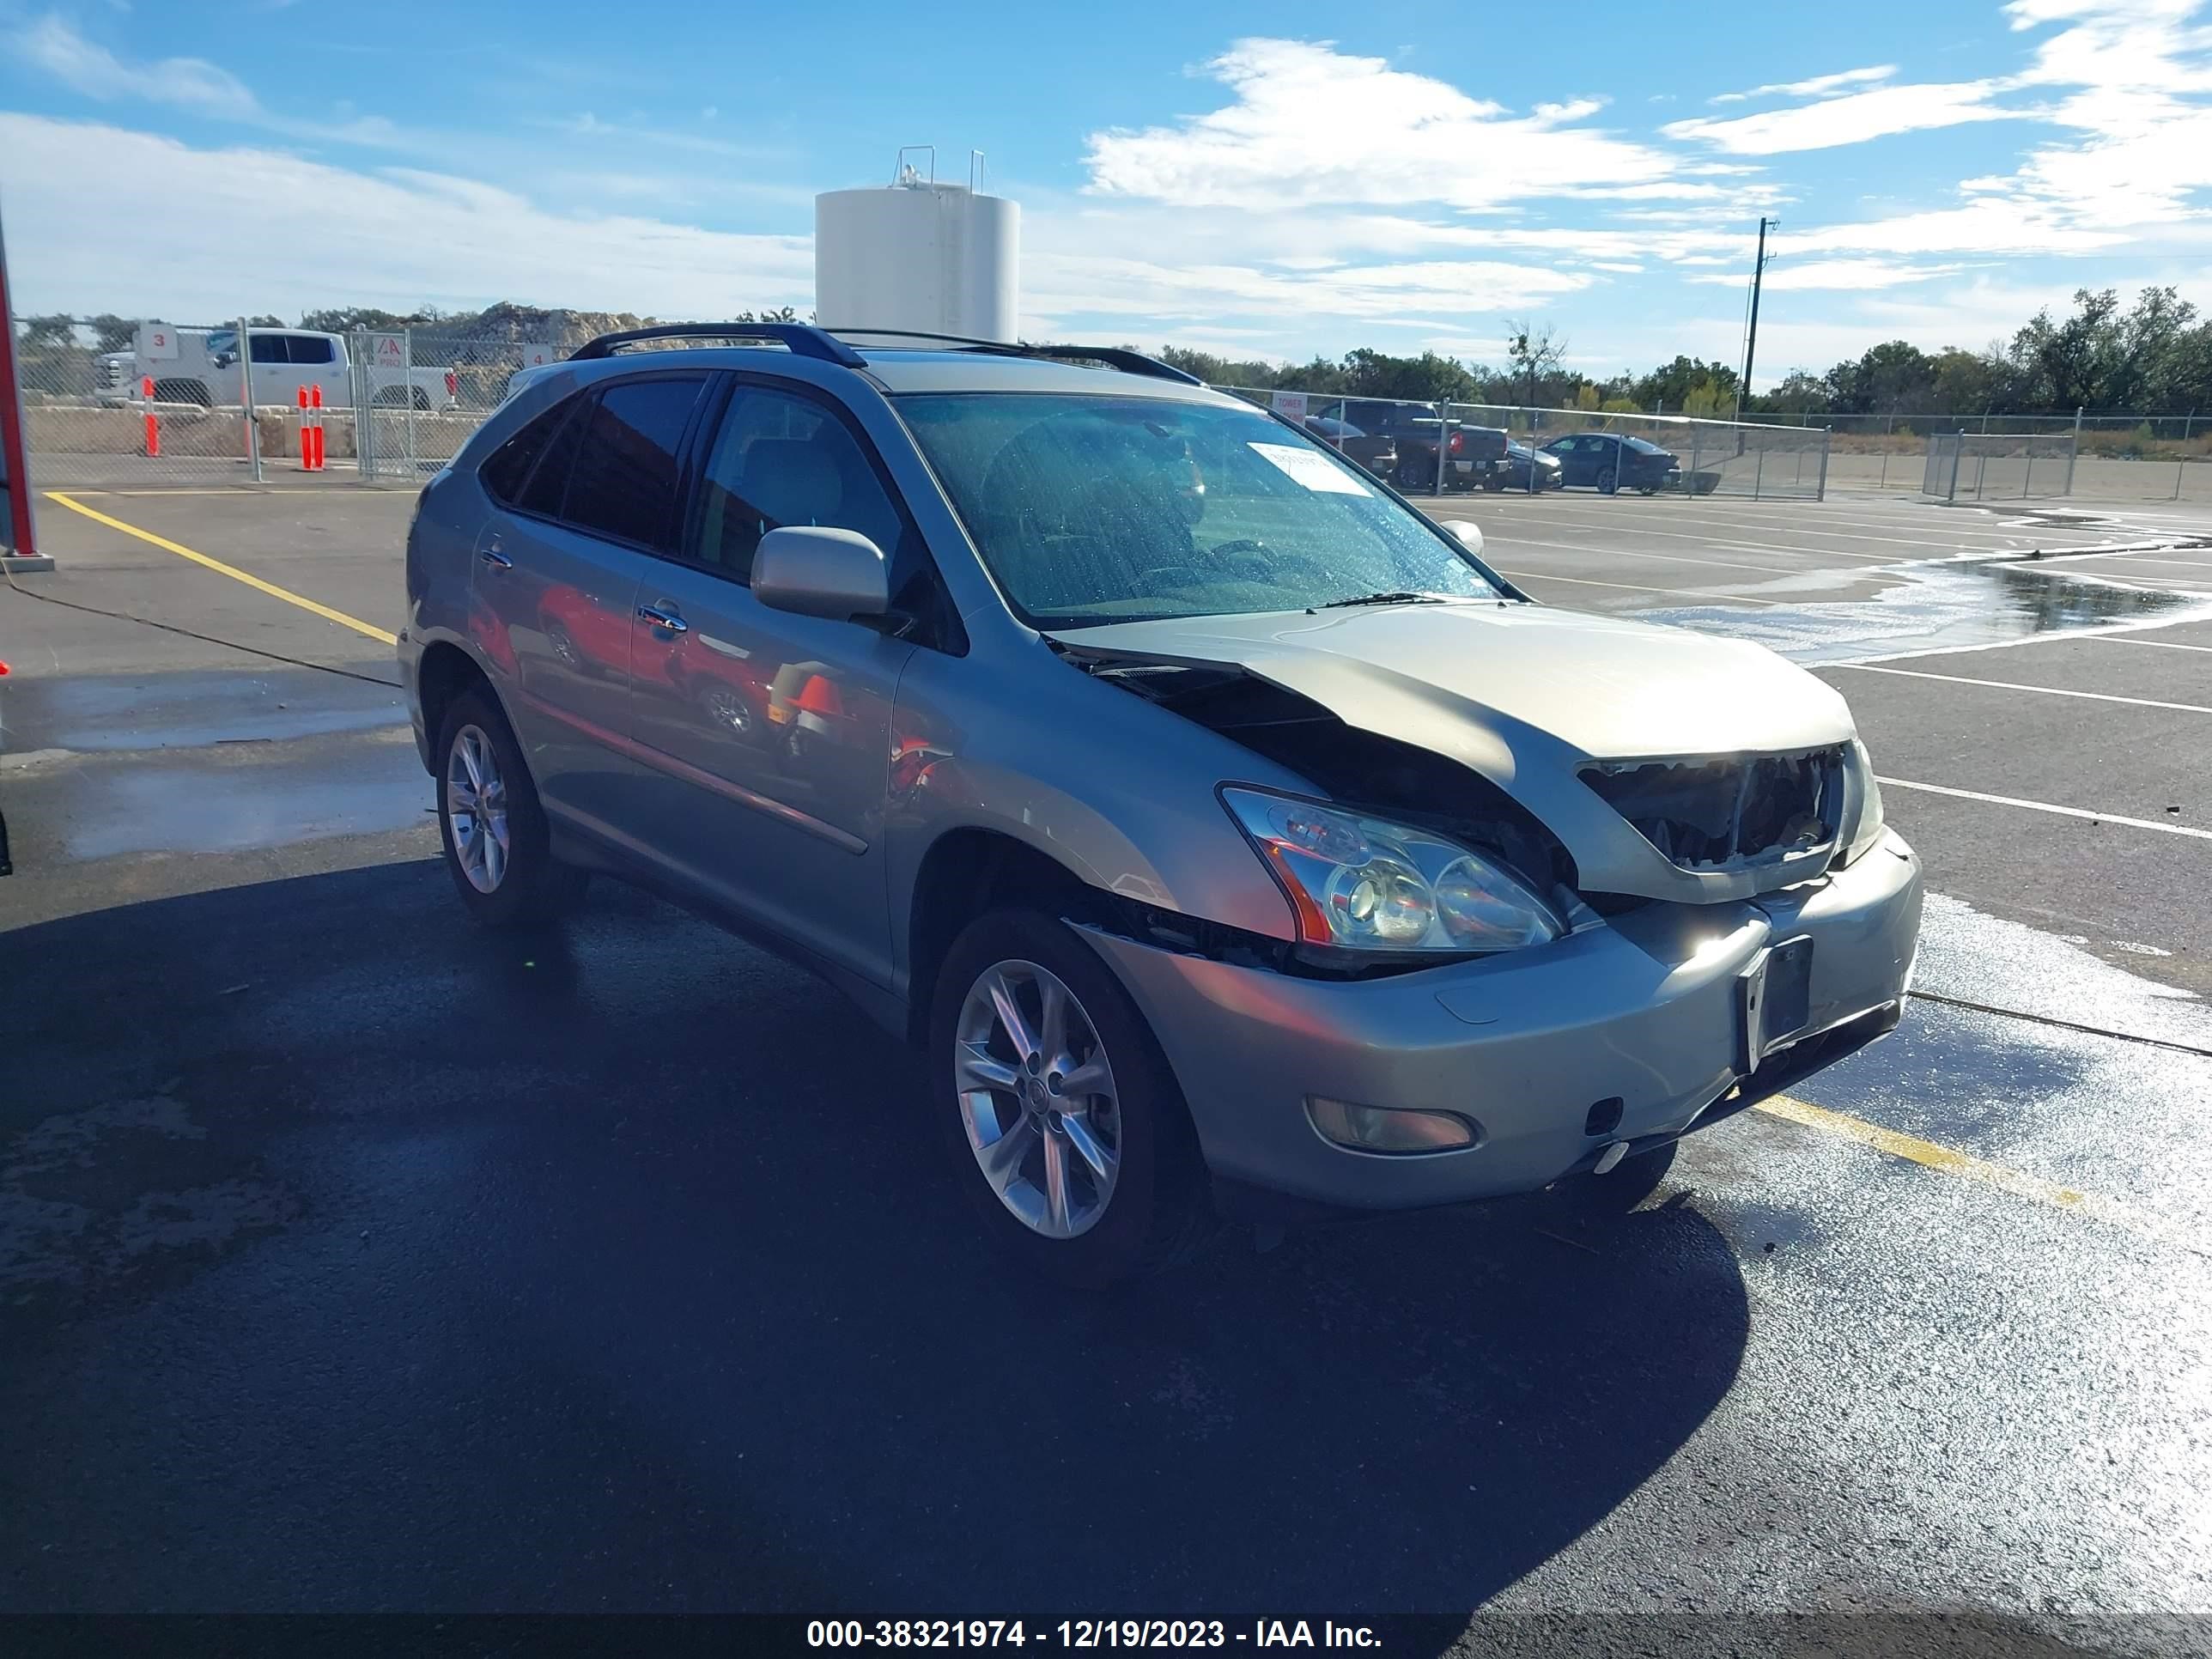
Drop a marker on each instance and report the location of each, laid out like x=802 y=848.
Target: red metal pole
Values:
x=153 y=421
x=18 y=536
x=315 y=402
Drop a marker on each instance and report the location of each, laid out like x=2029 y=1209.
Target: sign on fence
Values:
x=1290 y=405
x=157 y=343
x=388 y=351
x=537 y=356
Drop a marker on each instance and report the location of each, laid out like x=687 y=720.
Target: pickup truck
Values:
x=1415 y=429
x=204 y=370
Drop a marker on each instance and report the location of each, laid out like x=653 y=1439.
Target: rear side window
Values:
x=549 y=485
x=267 y=348
x=622 y=479
x=310 y=348
x=509 y=469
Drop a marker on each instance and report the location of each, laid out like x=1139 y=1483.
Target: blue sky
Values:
x=1275 y=180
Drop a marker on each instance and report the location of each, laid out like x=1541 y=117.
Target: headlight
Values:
x=1862 y=802
x=1364 y=885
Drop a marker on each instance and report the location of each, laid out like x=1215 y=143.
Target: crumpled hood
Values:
x=1527 y=695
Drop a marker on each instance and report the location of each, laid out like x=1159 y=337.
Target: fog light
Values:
x=1383 y=1129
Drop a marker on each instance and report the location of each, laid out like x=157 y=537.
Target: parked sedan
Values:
x=1512 y=471
x=1607 y=461
x=1377 y=452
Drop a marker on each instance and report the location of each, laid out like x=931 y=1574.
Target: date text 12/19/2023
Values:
x=1084 y=1633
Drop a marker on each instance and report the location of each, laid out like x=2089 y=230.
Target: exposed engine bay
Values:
x=1356 y=769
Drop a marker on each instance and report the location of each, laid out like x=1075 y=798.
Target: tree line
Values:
x=2153 y=358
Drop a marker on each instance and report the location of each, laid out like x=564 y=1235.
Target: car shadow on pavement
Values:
x=351 y=1258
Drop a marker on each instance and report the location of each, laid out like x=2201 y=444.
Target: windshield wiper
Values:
x=1385 y=599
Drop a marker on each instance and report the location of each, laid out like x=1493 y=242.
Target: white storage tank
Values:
x=937 y=258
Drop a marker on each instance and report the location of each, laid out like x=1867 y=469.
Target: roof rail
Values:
x=803 y=339
x=1120 y=357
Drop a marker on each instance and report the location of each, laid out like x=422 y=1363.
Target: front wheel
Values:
x=498 y=846
x=1063 y=1121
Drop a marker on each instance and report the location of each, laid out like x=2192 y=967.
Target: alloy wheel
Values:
x=475 y=809
x=1037 y=1098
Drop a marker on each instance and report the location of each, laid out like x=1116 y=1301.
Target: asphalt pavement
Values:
x=353 y=1260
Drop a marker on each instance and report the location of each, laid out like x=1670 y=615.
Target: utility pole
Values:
x=1750 y=335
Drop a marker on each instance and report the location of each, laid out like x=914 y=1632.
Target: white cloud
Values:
x=1847 y=275
x=1818 y=85
x=213 y=233
x=1850 y=120
x=50 y=44
x=1311 y=125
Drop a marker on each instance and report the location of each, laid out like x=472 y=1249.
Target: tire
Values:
x=1620 y=1188
x=1412 y=474
x=1153 y=1213
x=1607 y=483
x=1647 y=490
x=1492 y=484
x=517 y=882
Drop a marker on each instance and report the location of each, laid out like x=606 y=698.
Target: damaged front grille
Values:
x=1728 y=811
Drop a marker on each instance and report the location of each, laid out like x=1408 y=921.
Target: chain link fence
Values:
x=2119 y=458
x=189 y=404
x=176 y=406
x=1998 y=467
x=1498 y=447
x=423 y=393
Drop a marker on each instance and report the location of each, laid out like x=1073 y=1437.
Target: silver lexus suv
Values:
x=1230 y=838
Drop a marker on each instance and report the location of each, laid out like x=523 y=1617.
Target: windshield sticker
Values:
x=1314 y=472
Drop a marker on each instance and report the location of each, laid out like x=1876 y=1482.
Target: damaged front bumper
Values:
x=1647 y=1013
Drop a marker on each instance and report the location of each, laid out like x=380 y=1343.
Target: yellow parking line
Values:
x=231 y=571
x=1949 y=1159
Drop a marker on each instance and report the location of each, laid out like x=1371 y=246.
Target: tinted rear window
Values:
x=624 y=478
x=509 y=469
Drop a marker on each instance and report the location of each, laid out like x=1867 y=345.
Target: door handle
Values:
x=663 y=616
x=494 y=559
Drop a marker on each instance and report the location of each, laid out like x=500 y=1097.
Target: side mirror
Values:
x=1466 y=533
x=814 y=570
x=225 y=358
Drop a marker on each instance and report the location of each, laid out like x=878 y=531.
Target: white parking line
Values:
x=2144 y=558
x=1811 y=523
x=2015 y=685
x=2046 y=806
x=1640 y=588
x=2129 y=639
x=1740 y=544
x=1504 y=540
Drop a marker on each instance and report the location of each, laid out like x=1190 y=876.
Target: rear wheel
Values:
x=1607 y=483
x=498 y=847
x=1064 y=1124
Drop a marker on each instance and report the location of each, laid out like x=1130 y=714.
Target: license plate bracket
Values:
x=1774 y=998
